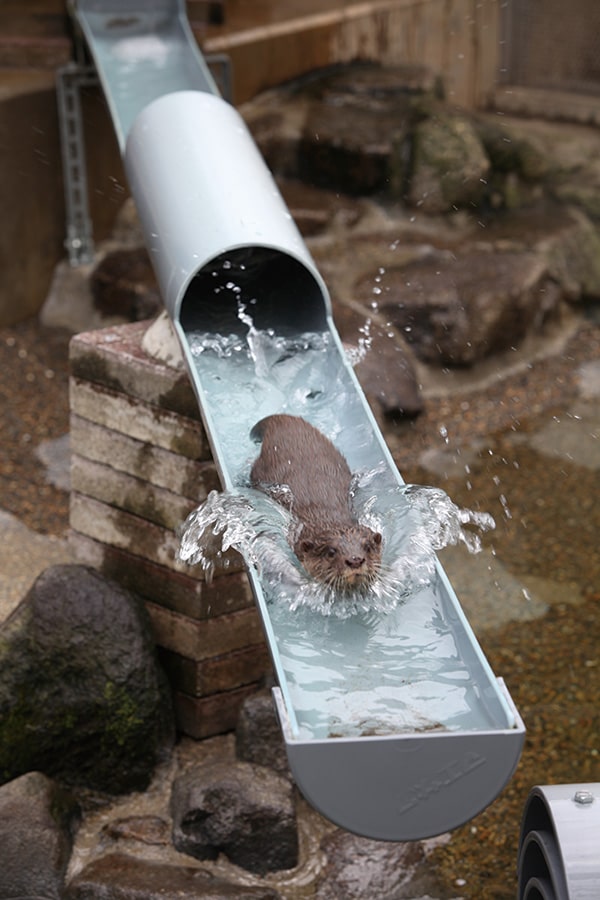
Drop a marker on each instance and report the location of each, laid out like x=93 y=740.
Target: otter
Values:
x=304 y=472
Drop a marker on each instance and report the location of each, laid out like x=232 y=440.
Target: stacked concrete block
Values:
x=140 y=463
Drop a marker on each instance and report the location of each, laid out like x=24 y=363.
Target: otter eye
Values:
x=330 y=552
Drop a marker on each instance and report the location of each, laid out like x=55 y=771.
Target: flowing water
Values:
x=390 y=658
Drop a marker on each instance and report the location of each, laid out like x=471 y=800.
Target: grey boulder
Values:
x=242 y=810
x=37 y=824
x=81 y=696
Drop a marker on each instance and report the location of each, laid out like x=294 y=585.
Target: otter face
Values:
x=342 y=560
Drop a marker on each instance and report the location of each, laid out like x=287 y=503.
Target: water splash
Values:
x=356 y=355
x=246 y=521
x=299 y=374
x=443 y=521
x=265 y=348
x=255 y=343
x=419 y=521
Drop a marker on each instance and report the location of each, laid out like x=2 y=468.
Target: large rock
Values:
x=37 y=821
x=564 y=238
x=572 y=251
x=317 y=210
x=512 y=151
x=563 y=158
x=242 y=810
x=258 y=737
x=81 y=697
x=449 y=164
x=388 y=378
x=359 y=868
x=357 y=124
x=455 y=309
x=346 y=128
x=383 y=362
x=364 y=129
x=120 y=877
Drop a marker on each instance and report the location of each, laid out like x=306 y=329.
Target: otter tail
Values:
x=257 y=432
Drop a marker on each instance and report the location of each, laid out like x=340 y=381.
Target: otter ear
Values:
x=377 y=537
x=307 y=546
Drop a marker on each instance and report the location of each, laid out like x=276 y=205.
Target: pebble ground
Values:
x=547 y=526
x=35 y=408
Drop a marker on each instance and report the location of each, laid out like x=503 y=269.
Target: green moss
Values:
x=122 y=718
x=15 y=741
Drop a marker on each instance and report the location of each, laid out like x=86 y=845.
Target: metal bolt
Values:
x=583 y=797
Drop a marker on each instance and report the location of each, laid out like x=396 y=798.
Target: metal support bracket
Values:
x=79 y=241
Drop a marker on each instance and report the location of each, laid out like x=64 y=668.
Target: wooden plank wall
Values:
x=459 y=39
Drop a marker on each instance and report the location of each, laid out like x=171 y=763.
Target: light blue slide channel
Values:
x=141 y=51
x=417 y=666
x=395 y=725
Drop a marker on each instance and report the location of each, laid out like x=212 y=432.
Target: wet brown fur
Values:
x=303 y=471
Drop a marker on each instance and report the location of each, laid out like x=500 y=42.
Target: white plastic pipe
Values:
x=202 y=190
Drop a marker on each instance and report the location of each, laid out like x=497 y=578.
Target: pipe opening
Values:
x=540 y=889
x=536 y=817
x=540 y=866
x=275 y=290
x=534 y=863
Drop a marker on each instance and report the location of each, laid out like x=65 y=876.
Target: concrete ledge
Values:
x=121 y=529
x=128 y=415
x=200 y=640
x=191 y=597
x=134 y=495
x=114 y=357
x=206 y=716
x=189 y=477
x=221 y=673
x=558 y=106
x=140 y=464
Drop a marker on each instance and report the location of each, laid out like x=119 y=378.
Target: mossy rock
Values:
x=449 y=164
x=81 y=696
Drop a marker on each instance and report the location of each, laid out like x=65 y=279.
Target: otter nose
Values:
x=355 y=562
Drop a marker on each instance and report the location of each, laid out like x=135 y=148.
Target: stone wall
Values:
x=140 y=464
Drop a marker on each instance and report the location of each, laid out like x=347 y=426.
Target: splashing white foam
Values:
x=422 y=521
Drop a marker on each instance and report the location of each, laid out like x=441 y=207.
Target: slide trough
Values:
x=395 y=726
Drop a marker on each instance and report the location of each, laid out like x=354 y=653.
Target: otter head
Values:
x=342 y=559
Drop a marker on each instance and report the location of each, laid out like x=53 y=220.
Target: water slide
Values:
x=395 y=726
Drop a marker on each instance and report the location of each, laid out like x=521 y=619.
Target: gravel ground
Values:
x=35 y=403
x=548 y=522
